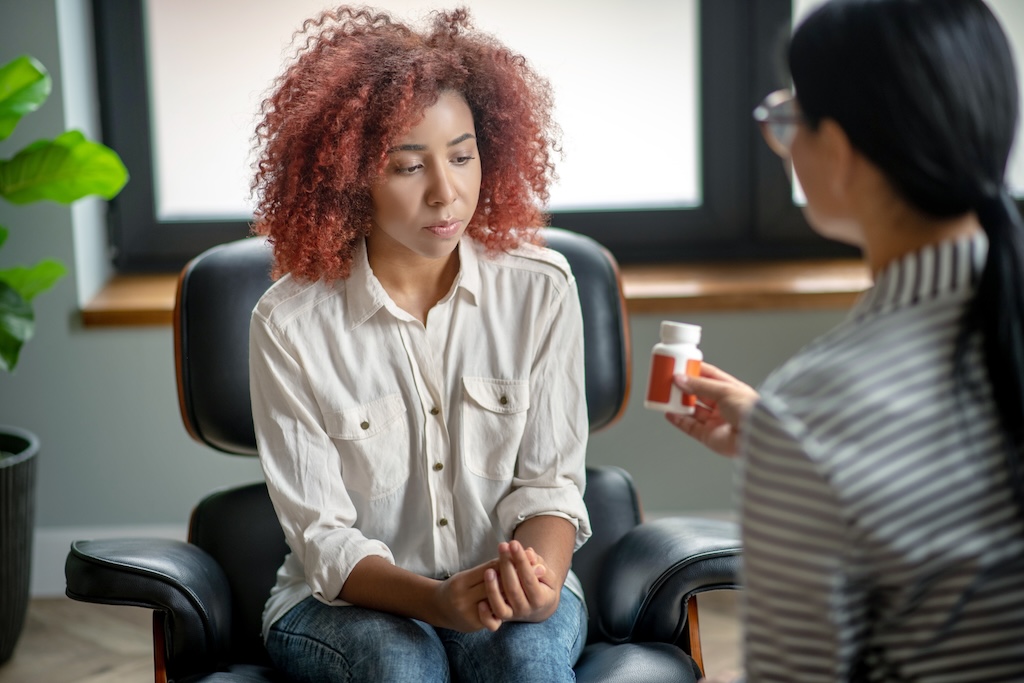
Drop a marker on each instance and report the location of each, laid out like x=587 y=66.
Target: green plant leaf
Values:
x=17 y=323
x=24 y=86
x=3 y=235
x=28 y=282
x=64 y=169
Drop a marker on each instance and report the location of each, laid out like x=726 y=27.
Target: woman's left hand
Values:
x=519 y=588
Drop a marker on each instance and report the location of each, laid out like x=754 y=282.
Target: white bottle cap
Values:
x=679 y=333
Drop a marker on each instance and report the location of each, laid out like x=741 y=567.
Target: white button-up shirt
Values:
x=422 y=444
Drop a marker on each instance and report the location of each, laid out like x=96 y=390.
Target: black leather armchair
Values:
x=640 y=578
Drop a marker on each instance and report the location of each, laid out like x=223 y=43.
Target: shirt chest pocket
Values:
x=373 y=442
x=493 y=418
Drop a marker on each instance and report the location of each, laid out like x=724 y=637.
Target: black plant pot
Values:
x=17 y=514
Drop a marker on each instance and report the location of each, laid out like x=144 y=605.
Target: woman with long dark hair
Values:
x=882 y=496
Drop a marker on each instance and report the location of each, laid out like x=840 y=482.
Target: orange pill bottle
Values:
x=676 y=353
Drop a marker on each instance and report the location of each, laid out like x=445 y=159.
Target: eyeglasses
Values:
x=778 y=118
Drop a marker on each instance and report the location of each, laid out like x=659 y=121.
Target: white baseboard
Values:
x=51 y=545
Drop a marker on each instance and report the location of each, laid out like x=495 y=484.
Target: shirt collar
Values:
x=468 y=278
x=941 y=269
x=365 y=295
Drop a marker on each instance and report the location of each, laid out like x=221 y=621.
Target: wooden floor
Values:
x=719 y=632
x=72 y=642
x=65 y=641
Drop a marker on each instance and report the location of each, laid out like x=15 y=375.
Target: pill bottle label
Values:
x=662 y=392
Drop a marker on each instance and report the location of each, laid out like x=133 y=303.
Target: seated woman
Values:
x=417 y=368
x=883 y=482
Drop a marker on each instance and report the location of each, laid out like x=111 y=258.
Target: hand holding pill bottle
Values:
x=676 y=353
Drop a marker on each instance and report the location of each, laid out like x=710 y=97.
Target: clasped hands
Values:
x=516 y=586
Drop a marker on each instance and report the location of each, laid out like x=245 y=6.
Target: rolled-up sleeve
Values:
x=302 y=466
x=550 y=475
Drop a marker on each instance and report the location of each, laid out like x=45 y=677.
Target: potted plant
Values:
x=63 y=169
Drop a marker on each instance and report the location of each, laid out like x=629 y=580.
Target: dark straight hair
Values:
x=927 y=90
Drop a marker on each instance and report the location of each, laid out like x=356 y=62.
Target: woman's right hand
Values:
x=457 y=597
x=723 y=404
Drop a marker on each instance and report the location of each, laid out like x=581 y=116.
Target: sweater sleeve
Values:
x=804 y=613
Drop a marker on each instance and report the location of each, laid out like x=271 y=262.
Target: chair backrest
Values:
x=219 y=288
x=217 y=292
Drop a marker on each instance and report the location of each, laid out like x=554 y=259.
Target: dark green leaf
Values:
x=17 y=323
x=24 y=86
x=3 y=235
x=28 y=282
x=62 y=170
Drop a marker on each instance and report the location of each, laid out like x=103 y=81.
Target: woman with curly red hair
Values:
x=417 y=367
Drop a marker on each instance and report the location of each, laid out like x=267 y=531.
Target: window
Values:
x=714 y=190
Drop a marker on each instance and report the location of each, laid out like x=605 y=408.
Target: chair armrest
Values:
x=177 y=578
x=651 y=573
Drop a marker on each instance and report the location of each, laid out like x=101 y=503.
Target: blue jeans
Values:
x=317 y=642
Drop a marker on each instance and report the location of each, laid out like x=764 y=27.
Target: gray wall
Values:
x=103 y=401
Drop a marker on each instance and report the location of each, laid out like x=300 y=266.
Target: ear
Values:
x=839 y=156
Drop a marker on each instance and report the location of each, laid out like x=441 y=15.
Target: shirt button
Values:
x=443 y=521
x=438 y=467
x=503 y=400
x=364 y=424
x=435 y=411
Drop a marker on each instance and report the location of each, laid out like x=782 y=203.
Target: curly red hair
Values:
x=361 y=81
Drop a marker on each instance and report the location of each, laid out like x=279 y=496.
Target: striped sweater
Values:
x=881 y=541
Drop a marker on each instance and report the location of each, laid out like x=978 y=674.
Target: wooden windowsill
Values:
x=826 y=284
x=133 y=300
x=820 y=284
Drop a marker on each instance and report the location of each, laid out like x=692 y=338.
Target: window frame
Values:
x=746 y=213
